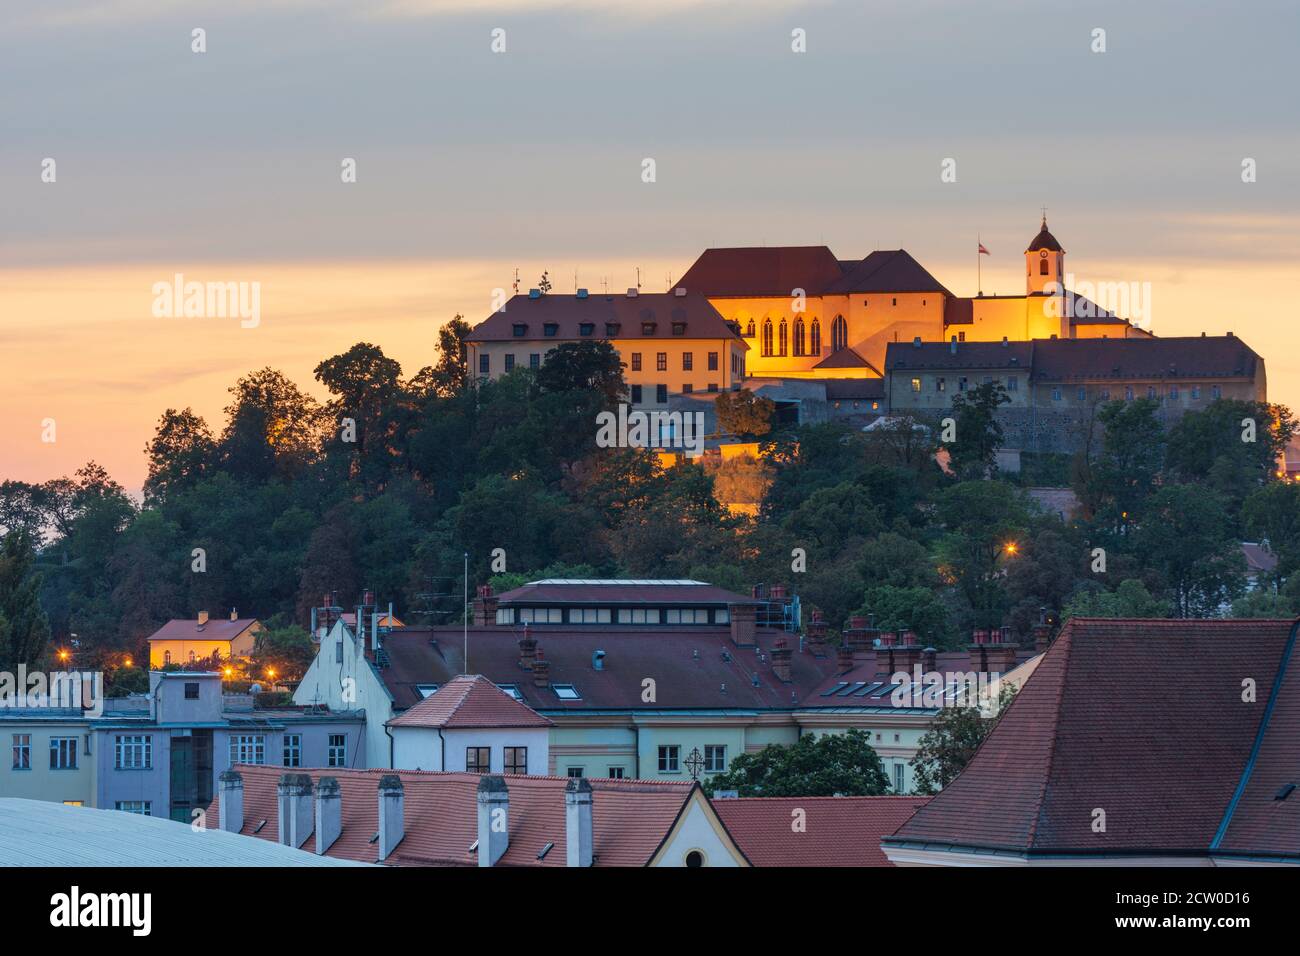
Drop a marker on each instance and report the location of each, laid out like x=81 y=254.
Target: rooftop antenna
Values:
x=604 y=285
x=638 y=277
x=575 y=278
x=516 y=286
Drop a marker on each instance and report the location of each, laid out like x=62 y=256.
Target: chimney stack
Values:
x=907 y=653
x=993 y=652
x=234 y=614
x=1042 y=632
x=527 y=649
x=781 y=660
x=293 y=805
x=577 y=822
x=930 y=660
x=329 y=813
x=485 y=607
x=230 y=800
x=493 y=819
x=203 y=618
x=844 y=659
x=817 y=635
x=392 y=825
x=541 y=673
x=743 y=622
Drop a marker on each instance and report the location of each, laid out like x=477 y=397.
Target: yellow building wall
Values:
x=180 y=649
x=1017 y=319
x=743 y=311
x=877 y=319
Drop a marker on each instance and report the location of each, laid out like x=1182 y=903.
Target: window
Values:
x=1216 y=392
x=679 y=328
x=1173 y=392
x=668 y=758
x=940 y=385
x=512 y=690
x=687 y=388
x=293 y=750
x=899 y=778
x=767 y=336
x=713 y=361
x=1105 y=395
x=695 y=859
x=749 y=329
x=688 y=361
x=636 y=394
x=589 y=615
x=661 y=394
x=483 y=363
x=961 y=336
x=338 y=651
x=1013 y=384
x=636 y=361
x=510 y=362
x=142 y=807
x=247 y=748
x=1128 y=393
x=567 y=692
x=22 y=751
x=425 y=690
x=799 y=337
x=661 y=361
x=1042 y=267
x=1082 y=394
x=815 y=338
x=638 y=615
x=478 y=759
x=167 y=657
x=63 y=753
x=783 y=338
x=715 y=758
x=611 y=328
x=615 y=773
x=961 y=384
x=574 y=772
x=586 y=328
x=722 y=616
x=519 y=330
x=133 y=752
x=549 y=329
x=647 y=328
x=516 y=760
x=1196 y=392
x=686 y=615
x=839 y=334
x=337 y=755
x=191 y=690
x=916 y=385
x=535 y=360
x=713 y=386
x=1056 y=394
x=1151 y=391
x=193 y=657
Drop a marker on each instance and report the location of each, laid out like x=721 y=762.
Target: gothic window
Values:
x=749 y=329
x=839 y=334
x=767 y=336
x=815 y=338
x=798 y=337
x=783 y=338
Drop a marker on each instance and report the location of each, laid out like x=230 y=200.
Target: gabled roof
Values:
x=886 y=270
x=1148 y=721
x=1258 y=557
x=837 y=831
x=629 y=818
x=216 y=629
x=847 y=358
x=569 y=313
x=469 y=701
x=762 y=271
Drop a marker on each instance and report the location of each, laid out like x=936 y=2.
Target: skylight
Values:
x=512 y=690
x=425 y=690
x=567 y=692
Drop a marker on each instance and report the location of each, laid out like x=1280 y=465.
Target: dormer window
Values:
x=520 y=329
x=549 y=329
x=611 y=329
x=679 y=328
x=586 y=328
x=647 y=328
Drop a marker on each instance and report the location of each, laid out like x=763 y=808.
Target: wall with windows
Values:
x=132 y=765
x=421 y=748
x=46 y=760
x=341 y=678
x=915 y=389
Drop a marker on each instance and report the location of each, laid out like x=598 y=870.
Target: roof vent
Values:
x=916 y=342
x=1004 y=341
x=598 y=659
x=679 y=292
x=952 y=346
x=582 y=293
x=1286 y=791
x=534 y=293
x=631 y=293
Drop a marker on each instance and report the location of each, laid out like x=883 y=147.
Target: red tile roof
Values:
x=886 y=270
x=630 y=818
x=216 y=629
x=470 y=700
x=1146 y=721
x=838 y=831
x=762 y=271
x=568 y=313
x=847 y=358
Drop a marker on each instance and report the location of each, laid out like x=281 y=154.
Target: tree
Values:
x=283 y=647
x=743 y=413
x=1132 y=454
x=1130 y=600
x=24 y=629
x=273 y=428
x=985 y=522
x=814 y=766
x=950 y=743
x=181 y=453
x=584 y=366
x=1186 y=536
x=908 y=609
x=978 y=434
x=449 y=376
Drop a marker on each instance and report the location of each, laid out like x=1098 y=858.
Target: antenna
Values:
x=516 y=281
x=638 y=277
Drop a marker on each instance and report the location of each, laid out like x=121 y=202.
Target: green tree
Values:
x=584 y=367
x=1272 y=514
x=181 y=452
x=284 y=647
x=743 y=413
x=978 y=433
x=1130 y=600
x=24 y=629
x=985 y=523
x=814 y=766
x=1187 y=537
x=916 y=609
x=950 y=743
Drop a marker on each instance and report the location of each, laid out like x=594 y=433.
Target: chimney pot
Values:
x=781 y=655
x=234 y=614
x=493 y=819
x=541 y=673
x=392 y=825
x=577 y=822
x=203 y=618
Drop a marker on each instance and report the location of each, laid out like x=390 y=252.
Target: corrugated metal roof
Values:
x=37 y=833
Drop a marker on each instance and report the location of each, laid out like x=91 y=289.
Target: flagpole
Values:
x=979 y=274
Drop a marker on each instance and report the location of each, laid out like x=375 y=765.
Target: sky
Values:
x=225 y=166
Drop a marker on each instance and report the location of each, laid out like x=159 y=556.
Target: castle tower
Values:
x=1044 y=263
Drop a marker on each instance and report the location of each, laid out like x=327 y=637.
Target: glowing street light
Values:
x=64 y=655
x=1011 y=548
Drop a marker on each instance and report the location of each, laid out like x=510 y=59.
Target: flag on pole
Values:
x=983 y=251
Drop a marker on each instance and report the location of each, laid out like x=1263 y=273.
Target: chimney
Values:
x=329 y=813
x=598 y=660
x=230 y=800
x=1042 y=632
x=777 y=592
x=817 y=635
x=930 y=660
x=203 y=618
x=293 y=805
x=485 y=607
x=908 y=652
x=527 y=649
x=541 y=673
x=844 y=659
x=743 y=621
x=577 y=822
x=1002 y=651
x=781 y=660
x=494 y=819
x=392 y=826
x=234 y=614
x=952 y=346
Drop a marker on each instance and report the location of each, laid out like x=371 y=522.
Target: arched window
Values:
x=167 y=657
x=783 y=338
x=749 y=329
x=839 y=334
x=1042 y=267
x=191 y=657
x=767 y=336
x=798 y=337
x=815 y=338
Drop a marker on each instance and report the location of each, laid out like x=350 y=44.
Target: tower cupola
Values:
x=1044 y=263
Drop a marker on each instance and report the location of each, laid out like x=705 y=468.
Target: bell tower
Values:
x=1044 y=263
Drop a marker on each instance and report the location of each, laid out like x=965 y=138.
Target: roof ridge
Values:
x=1068 y=634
